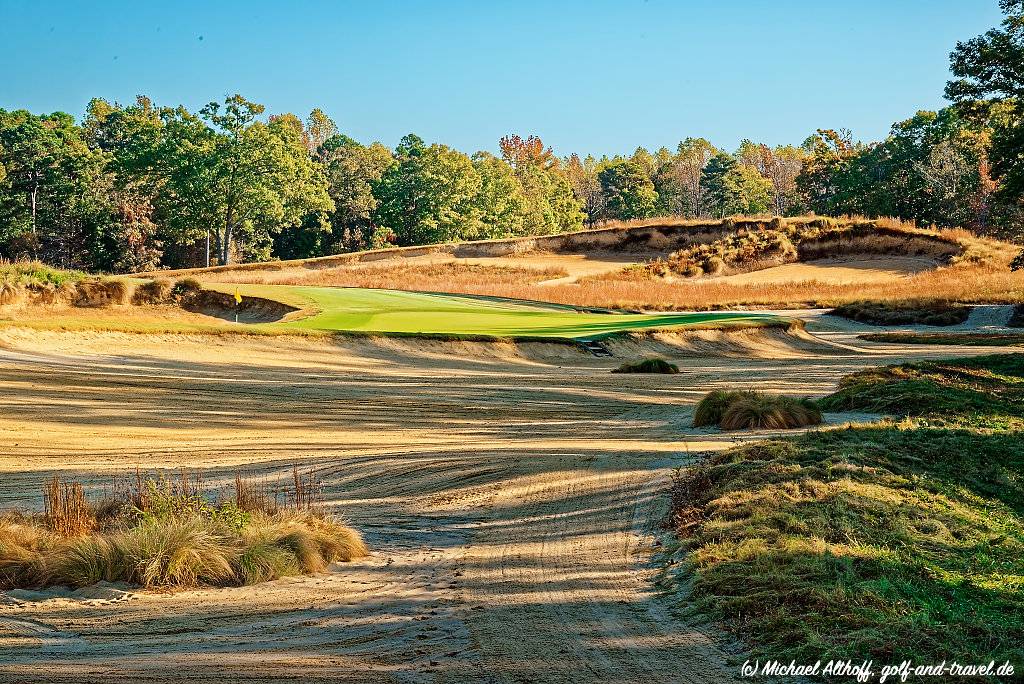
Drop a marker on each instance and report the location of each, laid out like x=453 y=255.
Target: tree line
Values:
x=138 y=186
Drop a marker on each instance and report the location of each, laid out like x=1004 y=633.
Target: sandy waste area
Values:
x=512 y=496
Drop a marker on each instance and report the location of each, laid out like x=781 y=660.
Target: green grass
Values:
x=985 y=391
x=36 y=273
x=888 y=541
x=394 y=312
x=962 y=339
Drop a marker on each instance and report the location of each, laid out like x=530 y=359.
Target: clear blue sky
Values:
x=601 y=77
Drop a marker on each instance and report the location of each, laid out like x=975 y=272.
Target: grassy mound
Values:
x=648 y=366
x=898 y=541
x=903 y=313
x=36 y=283
x=36 y=273
x=169 y=534
x=983 y=390
x=961 y=339
x=736 y=410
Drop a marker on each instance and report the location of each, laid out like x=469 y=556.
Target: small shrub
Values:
x=648 y=366
x=733 y=410
x=1017 y=264
x=714 y=265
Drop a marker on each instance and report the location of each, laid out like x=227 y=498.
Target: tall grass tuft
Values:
x=86 y=560
x=648 y=366
x=738 y=410
x=66 y=510
x=713 y=406
x=767 y=412
x=177 y=553
x=22 y=549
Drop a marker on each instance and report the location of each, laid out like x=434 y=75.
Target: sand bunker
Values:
x=835 y=271
x=250 y=310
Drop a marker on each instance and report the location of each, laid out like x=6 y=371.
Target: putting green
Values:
x=337 y=309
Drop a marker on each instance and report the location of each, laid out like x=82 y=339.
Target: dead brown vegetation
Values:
x=967 y=284
x=433 y=277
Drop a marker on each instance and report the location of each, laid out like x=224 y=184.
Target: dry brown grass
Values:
x=740 y=410
x=433 y=277
x=66 y=510
x=172 y=532
x=962 y=283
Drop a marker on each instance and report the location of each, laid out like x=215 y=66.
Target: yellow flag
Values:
x=238 y=296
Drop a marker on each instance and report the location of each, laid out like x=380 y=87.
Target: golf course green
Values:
x=341 y=309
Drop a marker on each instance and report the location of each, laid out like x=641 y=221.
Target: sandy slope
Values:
x=511 y=495
x=842 y=271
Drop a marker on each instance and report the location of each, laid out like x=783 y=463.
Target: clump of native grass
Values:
x=739 y=410
x=174 y=532
x=914 y=312
x=648 y=366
